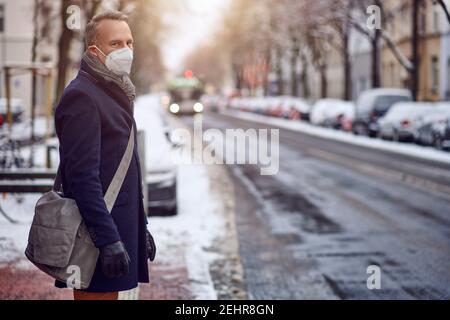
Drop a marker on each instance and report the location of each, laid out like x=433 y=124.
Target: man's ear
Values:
x=93 y=51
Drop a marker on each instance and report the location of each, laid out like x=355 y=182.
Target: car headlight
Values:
x=174 y=108
x=198 y=107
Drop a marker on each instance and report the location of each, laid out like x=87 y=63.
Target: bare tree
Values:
x=148 y=28
x=445 y=8
x=65 y=40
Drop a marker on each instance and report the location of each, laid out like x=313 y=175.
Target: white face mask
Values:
x=119 y=61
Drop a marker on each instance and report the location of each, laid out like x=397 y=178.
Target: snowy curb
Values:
x=416 y=151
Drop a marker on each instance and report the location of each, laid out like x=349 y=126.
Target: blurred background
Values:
x=359 y=92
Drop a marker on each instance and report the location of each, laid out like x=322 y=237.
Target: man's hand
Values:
x=150 y=244
x=115 y=260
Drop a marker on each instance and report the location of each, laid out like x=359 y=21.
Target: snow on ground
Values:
x=197 y=223
x=14 y=237
x=22 y=130
x=191 y=232
x=417 y=151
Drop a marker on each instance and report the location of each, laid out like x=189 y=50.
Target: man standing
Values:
x=93 y=122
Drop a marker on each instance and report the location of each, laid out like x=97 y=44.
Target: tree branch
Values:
x=444 y=7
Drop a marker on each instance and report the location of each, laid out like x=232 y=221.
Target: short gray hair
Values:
x=91 y=28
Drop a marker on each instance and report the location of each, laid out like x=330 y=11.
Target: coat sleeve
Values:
x=78 y=127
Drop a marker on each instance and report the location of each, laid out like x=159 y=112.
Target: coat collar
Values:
x=112 y=89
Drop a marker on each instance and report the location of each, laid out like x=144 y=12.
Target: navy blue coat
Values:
x=93 y=122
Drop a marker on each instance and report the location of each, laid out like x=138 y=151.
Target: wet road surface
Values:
x=334 y=209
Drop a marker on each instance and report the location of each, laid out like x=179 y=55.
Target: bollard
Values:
x=141 y=151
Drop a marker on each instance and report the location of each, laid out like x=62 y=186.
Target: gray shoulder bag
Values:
x=58 y=242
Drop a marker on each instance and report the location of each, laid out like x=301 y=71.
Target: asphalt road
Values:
x=333 y=210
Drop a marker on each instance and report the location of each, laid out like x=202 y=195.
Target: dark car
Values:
x=431 y=126
x=372 y=105
x=435 y=132
x=161 y=170
x=442 y=140
x=162 y=192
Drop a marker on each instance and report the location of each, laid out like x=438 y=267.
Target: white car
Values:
x=326 y=111
x=372 y=105
x=295 y=108
x=399 y=124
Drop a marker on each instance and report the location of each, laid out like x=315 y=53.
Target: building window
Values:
x=2 y=17
x=447 y=94
x=436 y=19
x=434 y=75
x=423 y=22
x=405 y=25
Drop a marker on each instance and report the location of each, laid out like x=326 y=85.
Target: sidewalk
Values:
x=18 y=283
x=197 y=250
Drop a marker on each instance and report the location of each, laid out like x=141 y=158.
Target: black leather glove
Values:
x=115 y=260
x=150 y=244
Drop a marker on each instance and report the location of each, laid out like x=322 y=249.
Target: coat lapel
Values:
x=113 y=90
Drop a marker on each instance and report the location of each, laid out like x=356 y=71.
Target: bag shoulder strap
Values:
x=114 y=187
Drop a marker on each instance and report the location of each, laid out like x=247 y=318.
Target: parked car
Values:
x=399 y=124
x=210 y=102
x=162 y=192
x=234 y=104
x=222 y=104
x=161 y=175
x=295 y=109
x=442 y=139
x=328 y=112
x=256 y=105
x=372 y=105
x=431 y=126
x=274 y=106
x=17 y=110
x=343 y=116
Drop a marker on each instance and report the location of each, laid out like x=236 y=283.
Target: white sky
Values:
x=192 y=24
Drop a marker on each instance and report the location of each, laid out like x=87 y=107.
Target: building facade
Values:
x=431 y=49
x=16 y=43
x=445 y=58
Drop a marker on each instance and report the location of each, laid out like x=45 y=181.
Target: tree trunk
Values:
x=323 y=81
x=376 y=53
x=65 y=40
x=237 y=77
x=304 y=76
x=347 y=65
x=34 y=76
x=266 y=72
x=376 y=77
x=415 y=74
x=279 y=71
x=294 y=77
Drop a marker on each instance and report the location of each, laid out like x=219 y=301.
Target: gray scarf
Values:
x=124 y=82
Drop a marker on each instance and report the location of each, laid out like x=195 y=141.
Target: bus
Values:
x=185 y=93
